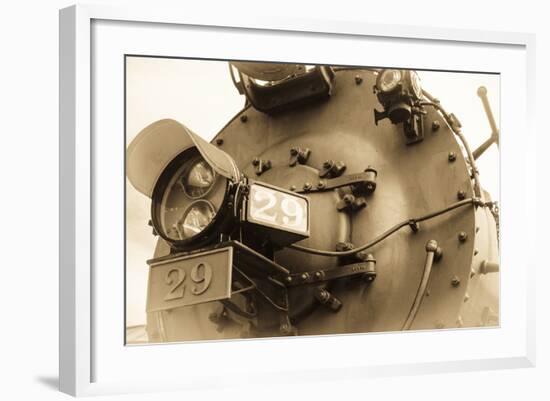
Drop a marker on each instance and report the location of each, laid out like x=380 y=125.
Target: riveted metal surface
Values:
x=412 y=181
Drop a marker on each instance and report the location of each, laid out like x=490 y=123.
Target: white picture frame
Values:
x=87 y=352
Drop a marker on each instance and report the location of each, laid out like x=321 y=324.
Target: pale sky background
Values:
x=201 y=95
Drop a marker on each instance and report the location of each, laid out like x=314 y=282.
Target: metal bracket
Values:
x=361 y=183
x=299 y=156
x=366 y=269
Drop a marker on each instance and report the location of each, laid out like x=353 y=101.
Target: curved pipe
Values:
x=431 y=248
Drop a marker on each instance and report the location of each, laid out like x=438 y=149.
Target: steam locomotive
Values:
x=339 y=200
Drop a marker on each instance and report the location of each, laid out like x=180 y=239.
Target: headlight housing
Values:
x=190 y=201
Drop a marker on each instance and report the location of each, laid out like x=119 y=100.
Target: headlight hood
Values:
x=159 y=143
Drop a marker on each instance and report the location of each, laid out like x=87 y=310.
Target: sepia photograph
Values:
x=271 y=199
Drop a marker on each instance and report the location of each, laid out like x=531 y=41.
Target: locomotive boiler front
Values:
x=339 y=200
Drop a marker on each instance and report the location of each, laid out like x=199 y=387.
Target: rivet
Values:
x=476 y=252
x=293 y=187
x=435 y=126
x=358 y=80
x=219 y=141
x=455 y=282
x=461 y=195
x=466 y=297
x=462 y=236
x=472 y=272
x=288 y=279
x=305 y=276
x=244 y=118
x=477 y=229
x=320 y=185
x=452 y=156
x=307 y=186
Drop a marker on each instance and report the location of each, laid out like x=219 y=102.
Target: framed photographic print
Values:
x=235 y=192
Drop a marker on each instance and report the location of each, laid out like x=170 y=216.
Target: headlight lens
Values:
x=388 y=80
x=199 y=215
x=187 y=199
x=198 y=179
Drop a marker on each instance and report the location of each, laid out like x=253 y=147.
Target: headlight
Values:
x=197 y=192
x=187 y=200
x=388 y=80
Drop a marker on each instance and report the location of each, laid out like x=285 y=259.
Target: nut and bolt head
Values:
x=348 y=199
x=219 y=141
x=255 y=161
x=462 y=236
x=455 y=282
x=307 y=186
x=318 y=275
x=244 y=118
x=435 y=126
x=293 y=151
x=461 y=195
x=304 y=276
x=452 y=156
x=328 y=164
x=320 y=185
x=358 y=80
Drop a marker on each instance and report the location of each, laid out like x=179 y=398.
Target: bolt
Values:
x=219 y=141
x=462 y=236
x=435 y=126
x=318 y=275
x=320 y=185
x=327 y=164
x=255 y=161
x=476 y=252
x=348 y=199
x=452 y=156
x=307 y=186
x=293 y=151
x=358 y=80
x=304 y=276
x=461 y=195
x=288 y=279
x=466 y=297
x=293 y=187
x=244 y=118
x=477 y=229
x=472 y=272
x=455 y=282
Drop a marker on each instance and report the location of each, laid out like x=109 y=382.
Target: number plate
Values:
x=278 y=209
x=190 y=280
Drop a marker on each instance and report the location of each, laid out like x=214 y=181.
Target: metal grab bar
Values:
x=431 y=250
